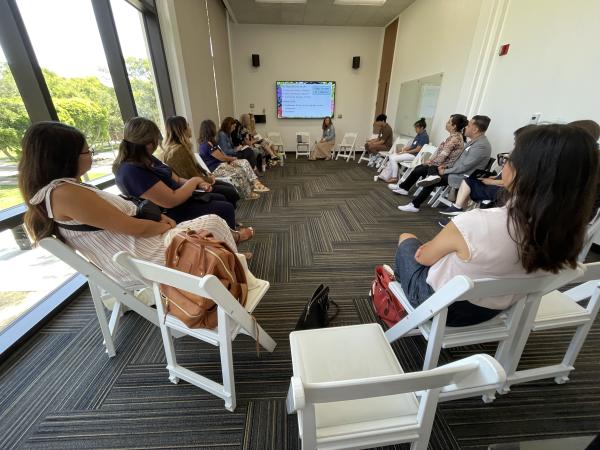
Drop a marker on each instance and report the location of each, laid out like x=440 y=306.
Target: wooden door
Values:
x=385 y=70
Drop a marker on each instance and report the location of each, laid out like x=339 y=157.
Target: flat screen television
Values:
x=305 y=99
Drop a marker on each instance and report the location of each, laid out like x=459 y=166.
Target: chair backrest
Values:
x=201 y=162
x=423 y=155
x=275 y=138
x=349 y=140
x=592 y=233
x=208 y=286
x=304 y=137
x=490 y=163
x=476 y=374
x=463 y=288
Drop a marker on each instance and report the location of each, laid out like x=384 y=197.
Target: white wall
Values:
x=553 y=67
x=307 y=53
x=434 y=36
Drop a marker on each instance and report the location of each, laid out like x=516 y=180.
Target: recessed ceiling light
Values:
x=359 y=2
x=280 y=1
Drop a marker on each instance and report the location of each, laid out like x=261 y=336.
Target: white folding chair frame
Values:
x=558 y=310
x=305 y=143
x=429 y=319
x=99 y=281
x=233 y=318
x=277 y=144
x=346 y=149
x=475 y=374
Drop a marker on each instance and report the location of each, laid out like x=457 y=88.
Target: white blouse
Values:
x=100 y=246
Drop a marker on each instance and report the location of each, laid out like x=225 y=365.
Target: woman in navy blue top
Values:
x=139 y=174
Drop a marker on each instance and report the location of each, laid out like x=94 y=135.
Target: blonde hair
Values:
x=176 y=127
x=246 y=121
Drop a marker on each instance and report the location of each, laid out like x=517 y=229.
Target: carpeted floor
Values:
x=323 y=222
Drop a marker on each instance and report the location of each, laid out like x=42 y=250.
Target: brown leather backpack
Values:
x=198 y=253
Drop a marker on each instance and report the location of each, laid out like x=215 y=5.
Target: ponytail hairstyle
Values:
x=549 y=199
x=460 y=122
x=420 y=123
x=50 y=151
x=138 y=133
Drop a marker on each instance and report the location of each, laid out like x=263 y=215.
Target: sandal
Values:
x=243 y=235
x=259 y=187
x=253 y=196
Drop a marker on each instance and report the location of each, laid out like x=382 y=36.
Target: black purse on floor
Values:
x=316 y=311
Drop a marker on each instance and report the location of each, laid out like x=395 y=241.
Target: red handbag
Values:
x=386 y=305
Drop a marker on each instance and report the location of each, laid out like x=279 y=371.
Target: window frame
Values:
x=30 y=82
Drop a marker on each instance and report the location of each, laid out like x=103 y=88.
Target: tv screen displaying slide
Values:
x=305 y=99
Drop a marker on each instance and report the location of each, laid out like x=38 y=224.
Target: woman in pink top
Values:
x=541 y=228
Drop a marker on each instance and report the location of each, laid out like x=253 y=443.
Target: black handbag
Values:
x=316 y=311
x=145 y=208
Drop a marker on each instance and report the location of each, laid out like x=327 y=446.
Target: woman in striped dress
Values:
x=54 y=158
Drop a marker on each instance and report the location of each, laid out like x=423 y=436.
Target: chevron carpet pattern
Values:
x=323 y=222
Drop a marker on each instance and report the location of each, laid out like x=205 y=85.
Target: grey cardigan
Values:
x=475 y=156
x=329 y=134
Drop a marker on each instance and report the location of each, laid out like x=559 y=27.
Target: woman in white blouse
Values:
x=541 y=228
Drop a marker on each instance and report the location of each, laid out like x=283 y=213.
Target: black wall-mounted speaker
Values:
x=255 y=60
x=356 y=62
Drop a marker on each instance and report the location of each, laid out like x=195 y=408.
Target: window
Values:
x=13 y=123
x=132 y=38
x=67 y=44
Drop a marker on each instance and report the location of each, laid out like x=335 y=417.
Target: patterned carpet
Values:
x=323 y=222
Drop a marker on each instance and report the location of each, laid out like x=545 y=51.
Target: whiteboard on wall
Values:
x=428 y=100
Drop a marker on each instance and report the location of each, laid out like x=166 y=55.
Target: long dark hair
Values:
x=50 y=151
x=460 y=122
x=208 y=132
x=226 y=125
x=323 y=126
x=137 y=134
x=550 y=200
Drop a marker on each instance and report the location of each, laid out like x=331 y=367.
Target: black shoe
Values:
x=444 y=221
x=451 y=211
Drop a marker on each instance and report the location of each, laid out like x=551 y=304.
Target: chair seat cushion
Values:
x=556 y=307
x=346 y=353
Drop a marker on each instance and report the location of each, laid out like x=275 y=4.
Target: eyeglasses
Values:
x=90 y=151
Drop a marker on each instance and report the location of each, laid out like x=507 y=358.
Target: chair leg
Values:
x=104 y=326
x=434 y=344
x=225 y=352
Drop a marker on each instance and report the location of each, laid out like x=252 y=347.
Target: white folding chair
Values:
x=558 y=310
x=364 y=156
x=349 y=390
x=233 y=319
x=406 y=167
x=277 y=144
x=592 y=234
x=102 y=287
x=429 y=319
x=302 y=143
x=346 y=148
x=386 y=155
x=205 y=167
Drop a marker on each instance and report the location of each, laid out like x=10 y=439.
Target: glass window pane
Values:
x=27 y=275
x=14 y=120
x=132 y=38
x=67 y=44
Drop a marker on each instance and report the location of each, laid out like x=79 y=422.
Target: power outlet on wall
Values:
x=339 y=116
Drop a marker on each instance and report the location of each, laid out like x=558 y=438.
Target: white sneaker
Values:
x=400 y=191
x=428 y=181
x=408 y=208
x=393 y=186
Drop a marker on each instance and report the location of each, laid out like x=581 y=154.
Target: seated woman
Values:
x=445 y=155
x=249 y=126
x=541 y=228
x=407 y=153
x=227 y=146
x=140 y=174
x=178 y=155
x=54 y=158
x=222 y=165
x=322 y=149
